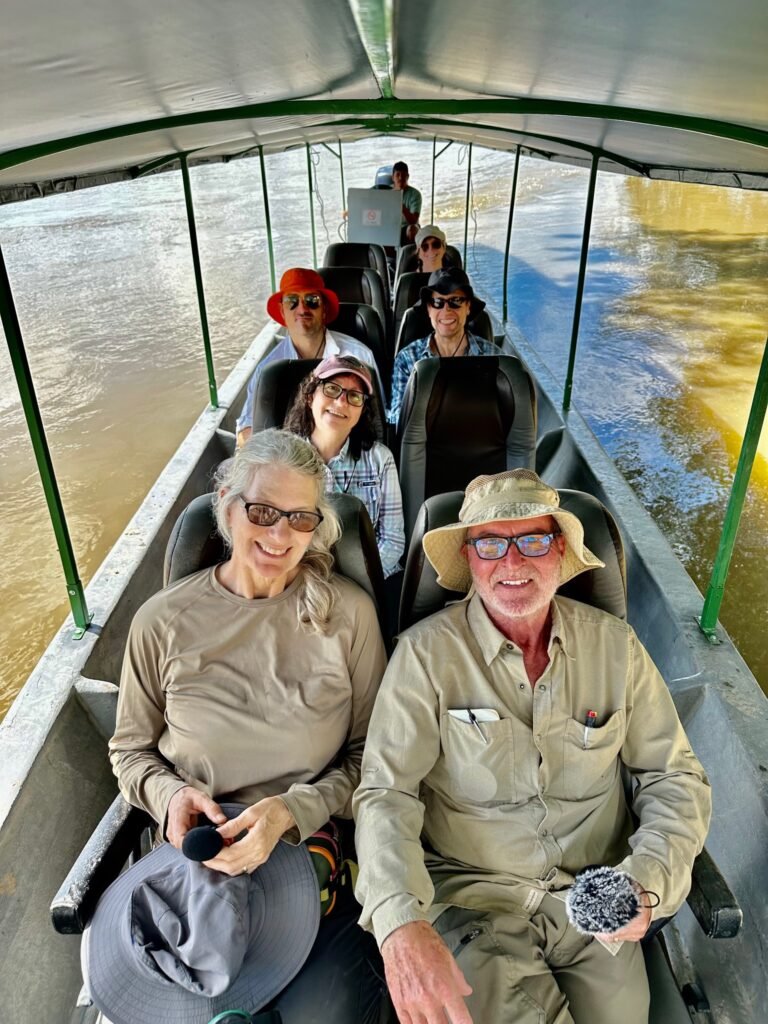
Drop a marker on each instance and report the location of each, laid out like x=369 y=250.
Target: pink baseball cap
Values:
x=334 y=366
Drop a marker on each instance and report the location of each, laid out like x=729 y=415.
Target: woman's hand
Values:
x=265 y=823
x=183 y=809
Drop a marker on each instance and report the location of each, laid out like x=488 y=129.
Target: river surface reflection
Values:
x=673 y=327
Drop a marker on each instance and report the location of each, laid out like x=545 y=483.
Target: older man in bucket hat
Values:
x=303 y=306
x=450 y=302
x=498 y=740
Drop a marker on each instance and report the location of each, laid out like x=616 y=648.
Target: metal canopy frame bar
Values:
x=373 y=19
x=512 y=200
x=392 y=108
x=580 y=283
x=23 y=375
x=311 y=206
x=212 y=390
x=267 y=219
x=714 y=599
x=466 y=202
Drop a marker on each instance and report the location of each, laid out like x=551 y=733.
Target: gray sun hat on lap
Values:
x=173 y=942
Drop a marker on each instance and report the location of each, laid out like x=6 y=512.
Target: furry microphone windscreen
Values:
x=601 y=900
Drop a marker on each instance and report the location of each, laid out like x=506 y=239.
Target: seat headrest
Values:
x=603 y=588
x=277 y=385
x=195 y=544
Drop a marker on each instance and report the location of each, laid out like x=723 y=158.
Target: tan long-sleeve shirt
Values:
x=233 y=697
x=512 y=807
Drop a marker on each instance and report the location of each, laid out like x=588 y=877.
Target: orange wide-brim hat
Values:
x=298 y=279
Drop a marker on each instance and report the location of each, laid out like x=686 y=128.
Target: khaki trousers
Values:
x=540 y=970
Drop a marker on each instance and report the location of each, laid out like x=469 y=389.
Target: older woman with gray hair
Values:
x=252 y=682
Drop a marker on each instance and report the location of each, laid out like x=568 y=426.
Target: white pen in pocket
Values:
x=475 y=717
x=589 y=723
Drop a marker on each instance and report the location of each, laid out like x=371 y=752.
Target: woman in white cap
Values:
x=332 y=409
x=251 y=682
x=431 y=253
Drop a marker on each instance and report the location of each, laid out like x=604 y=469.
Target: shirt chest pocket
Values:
x=369 y=494
x=478 y=763
x=591 y=756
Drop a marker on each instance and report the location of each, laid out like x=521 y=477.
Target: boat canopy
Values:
x=92 y=92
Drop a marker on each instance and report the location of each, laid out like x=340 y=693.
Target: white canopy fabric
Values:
x=667 y=88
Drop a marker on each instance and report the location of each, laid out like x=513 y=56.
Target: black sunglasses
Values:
x=532 y=545
x=434 y=244
x=455 y=302
x=267 y=515
x=312 y=301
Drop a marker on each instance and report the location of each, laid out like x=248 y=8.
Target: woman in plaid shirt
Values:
x=332 y=410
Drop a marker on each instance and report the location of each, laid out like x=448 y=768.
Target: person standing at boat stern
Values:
x=450 y=302
x=252 y=683
x=332 y=409
x=304 y=307
x=492 y=776
x=411 y=202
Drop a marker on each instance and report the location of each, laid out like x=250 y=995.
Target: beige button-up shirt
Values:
x=514 y=805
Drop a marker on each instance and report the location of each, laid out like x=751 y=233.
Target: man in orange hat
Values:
x=303 y=306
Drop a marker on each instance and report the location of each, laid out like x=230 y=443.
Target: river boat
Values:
x=669 y=89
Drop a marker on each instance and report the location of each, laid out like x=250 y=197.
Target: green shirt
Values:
x=511 y=808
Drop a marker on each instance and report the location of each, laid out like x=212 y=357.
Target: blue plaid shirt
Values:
x=373 y=479
x=411 y=354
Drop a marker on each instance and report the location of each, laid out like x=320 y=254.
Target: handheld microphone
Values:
x=601 y=900
x=202 y=843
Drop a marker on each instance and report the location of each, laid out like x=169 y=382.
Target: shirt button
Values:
x=542 y=688
x=521 y=685
x=538 y=737
x=544 y=832
x=510 y=647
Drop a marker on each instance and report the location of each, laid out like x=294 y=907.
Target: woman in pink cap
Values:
x=332 y=410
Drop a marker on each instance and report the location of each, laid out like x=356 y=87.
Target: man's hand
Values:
x=424 y=980
x=183 y=809
x=264 y=822
x=637 y=927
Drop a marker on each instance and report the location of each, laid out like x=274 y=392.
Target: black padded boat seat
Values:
x=407 y=289
x=604 y=588
x=667 y=1004
x=416 y=324
x=363 y=323
x=278 y=384
x=359 y=284
x=460 y=418
x=195 y=544
x=359 y=254
x=407 y=258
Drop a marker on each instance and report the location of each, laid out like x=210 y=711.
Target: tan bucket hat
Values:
x=503 y=497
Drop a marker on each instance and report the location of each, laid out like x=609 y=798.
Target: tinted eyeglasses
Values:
x=267 y=515
x=332 y=390
x=431 y=243
x=532 y=545
x=312 y=300
x=455 y=302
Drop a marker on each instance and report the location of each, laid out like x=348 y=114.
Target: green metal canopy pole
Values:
x=509 y=233
x=466 y=205
x=36 y=430
x=341 y=172
x=714 y=598
x=311 y=207
x=214 y=395
x=268 y=219
x=580 y=285
x=432 y=194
